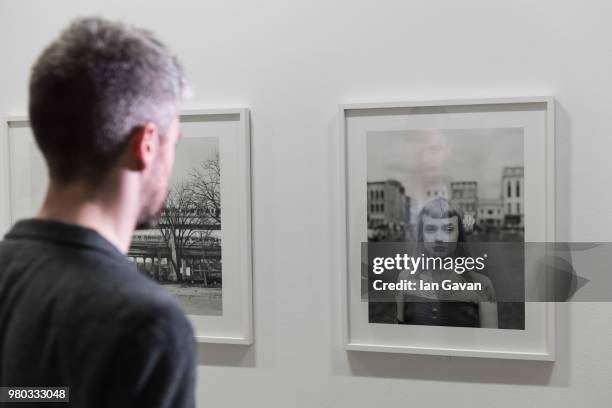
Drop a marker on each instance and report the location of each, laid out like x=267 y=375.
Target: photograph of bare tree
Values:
x=183 y=251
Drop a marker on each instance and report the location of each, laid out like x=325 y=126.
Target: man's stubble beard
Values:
x=152 y=207
x=149 y=220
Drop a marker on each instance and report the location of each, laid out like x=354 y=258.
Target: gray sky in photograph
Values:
x=190 y=152
x=475 y=155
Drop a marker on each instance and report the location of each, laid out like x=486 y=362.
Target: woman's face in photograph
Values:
x=440 y=235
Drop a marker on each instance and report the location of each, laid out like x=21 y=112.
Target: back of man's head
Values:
x=92 y=88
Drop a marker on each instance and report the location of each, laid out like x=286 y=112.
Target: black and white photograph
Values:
x=182 y=252
x=468 y=185
x=199 y=250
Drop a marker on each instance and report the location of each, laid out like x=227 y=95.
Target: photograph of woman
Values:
x=441 y=233
x=442 y=191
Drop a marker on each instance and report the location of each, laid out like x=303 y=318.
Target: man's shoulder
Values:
x=129 y=305
x=136 y=300
x=87 y=287
x=150 y=303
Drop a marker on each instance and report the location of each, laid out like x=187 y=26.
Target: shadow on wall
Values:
x=450 y=369
x=563 y=172
x=226 y=355
x=471 y=370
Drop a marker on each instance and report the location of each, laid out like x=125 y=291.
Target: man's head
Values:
x=435 y=154
x=104 y=98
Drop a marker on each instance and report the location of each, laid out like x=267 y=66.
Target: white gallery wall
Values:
x=292 y=63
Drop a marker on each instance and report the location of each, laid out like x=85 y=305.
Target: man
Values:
x=74 y=312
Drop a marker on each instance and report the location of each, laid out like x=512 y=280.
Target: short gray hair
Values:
x=92 y=87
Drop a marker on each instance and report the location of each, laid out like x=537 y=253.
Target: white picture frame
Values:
x=537 y=341
x=235 y=324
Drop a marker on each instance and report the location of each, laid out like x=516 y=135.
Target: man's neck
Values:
x=78 y=205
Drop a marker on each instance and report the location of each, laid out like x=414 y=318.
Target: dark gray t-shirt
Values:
x=74 y=312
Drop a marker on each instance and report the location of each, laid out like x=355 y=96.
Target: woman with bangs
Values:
x=441 y=233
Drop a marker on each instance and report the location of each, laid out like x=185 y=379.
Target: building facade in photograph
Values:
x=181 y=248
x=386 y=208
x=512 y=184
x=464 y=195
x=490 y=214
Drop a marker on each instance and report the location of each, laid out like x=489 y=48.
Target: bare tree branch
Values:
x=206 y=185
x=192 y=211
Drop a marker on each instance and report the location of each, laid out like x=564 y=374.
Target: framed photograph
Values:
x=472 y=172
x=200 y=250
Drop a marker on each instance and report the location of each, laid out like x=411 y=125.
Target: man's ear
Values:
x=143 y=146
